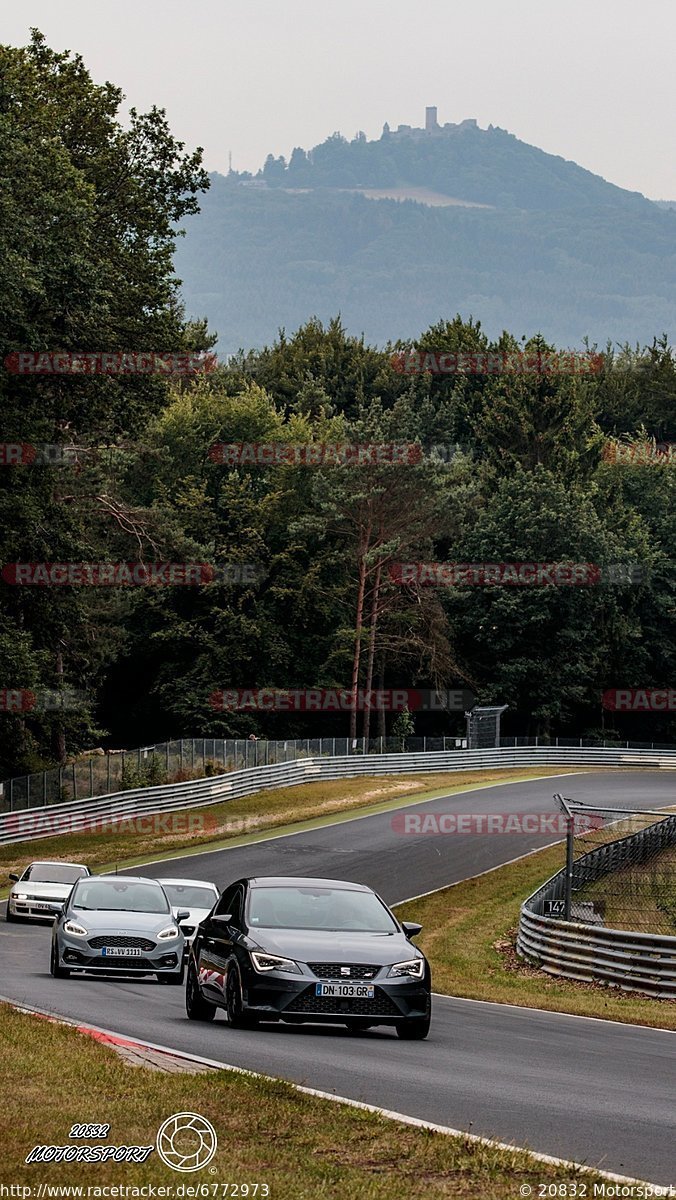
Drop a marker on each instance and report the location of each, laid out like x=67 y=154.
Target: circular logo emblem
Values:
x=186 y=1142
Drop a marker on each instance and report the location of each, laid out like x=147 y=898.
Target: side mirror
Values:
x=411 y=928
x=182 y=914
x=13 y=876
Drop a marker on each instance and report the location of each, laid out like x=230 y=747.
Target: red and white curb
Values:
x=195 y=1062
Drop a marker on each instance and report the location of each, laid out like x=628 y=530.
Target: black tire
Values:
x=414 y=1031
x=57 y=971
x=197 y=1008
x=176 y=977
x=236 y=1017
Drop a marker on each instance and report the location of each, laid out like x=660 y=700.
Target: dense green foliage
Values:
x=87 y=231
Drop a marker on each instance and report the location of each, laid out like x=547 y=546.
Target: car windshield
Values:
x=53 y=873
x=119 y=895
x=189 y=895
x=335 y=909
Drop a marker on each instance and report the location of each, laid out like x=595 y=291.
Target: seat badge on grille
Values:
x=345 y=970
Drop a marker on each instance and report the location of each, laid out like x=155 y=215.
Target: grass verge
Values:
x=469 y=936
x=188 y=831
x=300 y=1146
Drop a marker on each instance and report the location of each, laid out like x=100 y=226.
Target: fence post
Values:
x=570 y=850
x=108 y=771
x=91 y=777
x=74 y=783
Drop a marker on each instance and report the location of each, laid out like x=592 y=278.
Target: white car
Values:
x=194 y=895
x=42 y=889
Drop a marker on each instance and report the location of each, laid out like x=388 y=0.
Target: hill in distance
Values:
x=399 y=232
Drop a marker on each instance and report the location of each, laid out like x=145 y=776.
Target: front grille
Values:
x=43 y=900
x=127 y=943
x=336 y=970
x=119 y=964
x=380 y=1006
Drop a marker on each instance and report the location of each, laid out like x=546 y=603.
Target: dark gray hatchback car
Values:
x=301 y=950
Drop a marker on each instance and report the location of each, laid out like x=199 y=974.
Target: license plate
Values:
x=121 y=951
x=358 y=991
x=43 y=907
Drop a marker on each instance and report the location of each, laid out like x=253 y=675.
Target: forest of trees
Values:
x=88 y=223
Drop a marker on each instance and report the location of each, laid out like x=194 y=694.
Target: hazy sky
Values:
x=591 y=80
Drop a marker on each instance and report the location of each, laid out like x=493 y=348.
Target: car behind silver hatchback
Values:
x=195 y=897
x=118 y=924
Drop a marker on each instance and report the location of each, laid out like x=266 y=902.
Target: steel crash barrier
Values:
x=635 y=961
x=30 y=824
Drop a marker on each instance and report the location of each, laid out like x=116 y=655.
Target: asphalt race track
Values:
x=593 y=1091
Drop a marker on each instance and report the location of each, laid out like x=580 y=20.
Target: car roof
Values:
x=126 y=878
x=55 y=862
x=304 y=881
x=188 y=882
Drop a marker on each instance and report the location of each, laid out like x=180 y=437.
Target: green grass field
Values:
x=301 y=1147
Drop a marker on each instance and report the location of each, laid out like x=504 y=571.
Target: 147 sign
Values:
x=554 y=908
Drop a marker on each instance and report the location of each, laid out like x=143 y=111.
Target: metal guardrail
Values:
x=643 y=962
x=121 y=770
x=27 y=825
x=107 y=772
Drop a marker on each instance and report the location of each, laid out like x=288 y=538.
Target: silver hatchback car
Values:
x=119 y=924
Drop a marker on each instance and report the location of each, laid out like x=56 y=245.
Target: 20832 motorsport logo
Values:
x=185 y=1142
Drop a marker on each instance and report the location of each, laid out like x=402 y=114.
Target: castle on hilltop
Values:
x=432 y=126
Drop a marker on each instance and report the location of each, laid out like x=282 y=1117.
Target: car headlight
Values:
x=75 y=928
x=19 y=896
x=170 y=932
x=414 y=968
x=273 y=962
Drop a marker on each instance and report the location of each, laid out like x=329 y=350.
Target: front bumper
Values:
x=76 y=954
x=37 y=909
x=293 y=998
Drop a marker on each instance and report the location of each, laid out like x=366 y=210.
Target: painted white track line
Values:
x=389 y=1114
